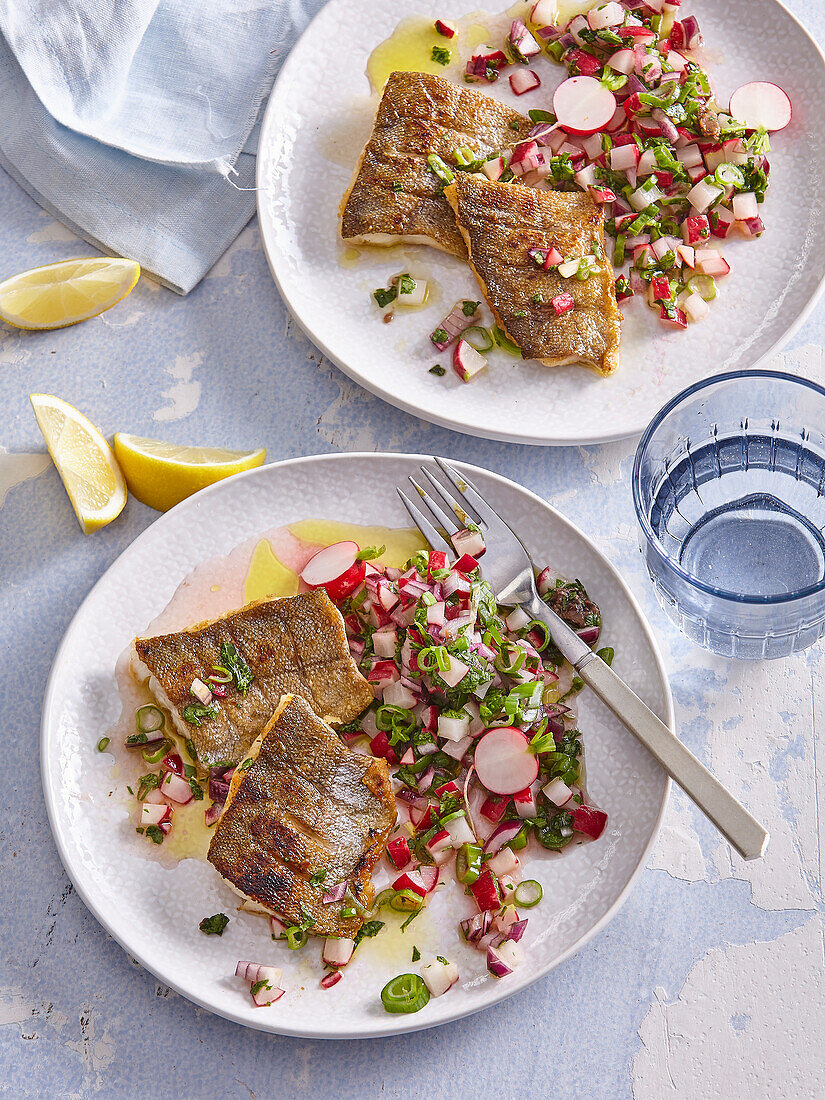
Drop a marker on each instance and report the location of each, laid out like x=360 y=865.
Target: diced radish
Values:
x=267 y=995
x=453 y=729
x=494 y=808
x=502 y=835
x=331 y=979
x=485 y=891
x=586 y=177
x=543 y=14
x=624 y=157
x=384 y=642
x=446 y=30
x=380 y=746
x=583 y=63
x=517 y=620
x=745 y=206
x=675 y=318
x=525 y=803
x=711 y=262
x=562 y=303
x=176 y=788
x=761 y=104
x=455 y=673
x=703 y=195
x=429 y=877
x=467 y=542
x=589 y=821
x=398 y=853
x=439 y=977
x=504 y=762
x=608 y=15
x=524 y=80
x=523 y=44
x=695 y=307
x=411 y=880
x=558 y=792
x=467 y=362
x=622 y=61
x=687 y=254
x=336 y=569
x=338 y=952
x=460 y=832
x=504 y=862
x=151 y=814
x=583 y=105
x=440 y=846
x=695 y=228
x=502 y=960
x=450 y=787
x=689 y=155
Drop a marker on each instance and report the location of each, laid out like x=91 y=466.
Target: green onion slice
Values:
x=220 y=675
x=149 y=718
x=504 y=342
x=156 y=754
x=405 y=993
x=403 y=901
x=704 y=286
x=296 y=938
x=468 y=863
x=478 y=338
x=528 y=893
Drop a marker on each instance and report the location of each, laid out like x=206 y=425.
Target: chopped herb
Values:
x=537 y=298
x=396 y=186
x=368 y=931
x=416 y=954
x=405 y=284
x=317 y=878
x=147 y=783
x=189 y=772
x=411 y=918
x=607 y=654
x=258 y=986
x=195 y=711
x=196 y=789
x=136 y=739
x=247 y=764
x=442 y=56
x=437 y=370
x=214 y=925
x=102 y=743
x=469 y=309
x=440 y=336
x=515 y=125
x=370 y=553
x=385 y=295
x=441 y=959
x=537 y=115
x=241 y=673
x=520 y=313
x=347 y=914
x=154 y=832
x=129 y=789
x=191 y=751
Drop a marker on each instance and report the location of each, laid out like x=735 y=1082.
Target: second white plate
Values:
x=319 y=117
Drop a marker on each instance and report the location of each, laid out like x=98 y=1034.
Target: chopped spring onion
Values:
x=296 y=938
x=405 y=993
x=403 y=901
x=503 y=341
x=468 y=863
x=478 y=338
x=220 y=675
x=704 y=286
x=536 y=624
x=528 y=893
x=155 y=755
x=149 y=718
x=102 y=744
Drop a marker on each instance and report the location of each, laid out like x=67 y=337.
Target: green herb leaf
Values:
x=441 y=959
x=416 y=954
x=405 y=284
x=214 y=925
x=233 y=661
x=384 y=296
x=469 y=309
x=196 y=789
x=437 y=370
x=196 y=711
x=396 y=186
x=191 y=751
x=258 y=986
x=154 y=832
x=317 y=878
x=368 y=931
x=441 y=56
x=370 y=553
x=147 y=783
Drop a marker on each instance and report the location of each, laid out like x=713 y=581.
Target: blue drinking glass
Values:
x=729 y=489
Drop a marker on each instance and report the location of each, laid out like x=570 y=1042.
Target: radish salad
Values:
x=637 y=127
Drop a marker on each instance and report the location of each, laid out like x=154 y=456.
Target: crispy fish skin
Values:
x=500 y=223
x=419 y=115
x=305 y=804
x=296 y=645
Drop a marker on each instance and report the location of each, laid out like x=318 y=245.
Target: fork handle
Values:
x=729 y=816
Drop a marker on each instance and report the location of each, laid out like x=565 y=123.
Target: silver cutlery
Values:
x=507 y=567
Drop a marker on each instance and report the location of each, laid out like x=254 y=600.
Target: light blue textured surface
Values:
x=82 y=1020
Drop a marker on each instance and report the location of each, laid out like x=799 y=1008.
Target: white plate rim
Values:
x=73 y=865
x=432 y=415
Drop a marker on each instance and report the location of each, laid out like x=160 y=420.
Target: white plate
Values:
x=154 y=913
x=318 y=119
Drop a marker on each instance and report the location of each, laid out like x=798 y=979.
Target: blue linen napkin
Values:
x=126 y=118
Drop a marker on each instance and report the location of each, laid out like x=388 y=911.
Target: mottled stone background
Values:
x=708 y=982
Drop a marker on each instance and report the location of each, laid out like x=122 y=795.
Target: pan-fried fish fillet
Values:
x=305 y=804
x=395 y=196
x=500 y=223
x=296 y=645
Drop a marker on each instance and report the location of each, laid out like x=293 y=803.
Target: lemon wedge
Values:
x=84 y=460
x=64 y=293
x=163 y=474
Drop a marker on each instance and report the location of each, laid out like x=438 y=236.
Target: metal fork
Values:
x=508 y=568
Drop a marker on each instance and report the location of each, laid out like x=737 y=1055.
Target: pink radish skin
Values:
x=583 y=105
x=336 y=569
x=761 y=104
x=504 y=763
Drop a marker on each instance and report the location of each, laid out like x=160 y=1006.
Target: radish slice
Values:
x=583 y=105
x=761 y=104
x=335 y=568
x=504 y=763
